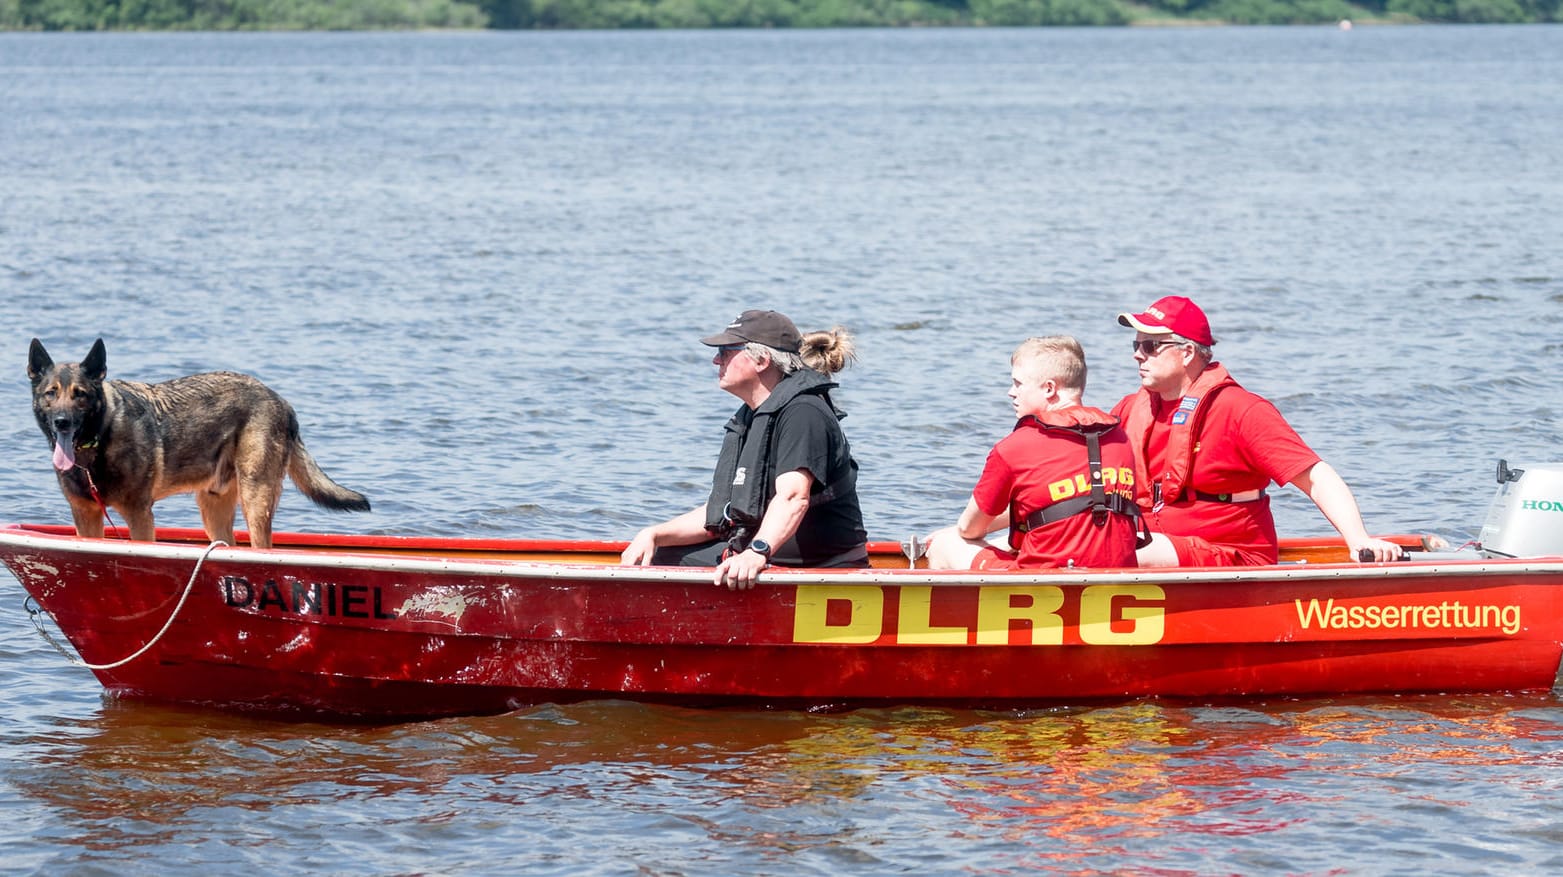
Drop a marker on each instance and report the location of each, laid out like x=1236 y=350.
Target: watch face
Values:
x=761 y=546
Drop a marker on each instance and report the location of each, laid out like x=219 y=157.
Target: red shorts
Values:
x=994 y=558
x=1194 y=551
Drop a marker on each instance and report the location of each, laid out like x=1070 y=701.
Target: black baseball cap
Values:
x=762 y=327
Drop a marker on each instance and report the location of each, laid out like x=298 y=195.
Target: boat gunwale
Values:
x=21 y=537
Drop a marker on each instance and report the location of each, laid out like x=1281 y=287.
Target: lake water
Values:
x=478 y=265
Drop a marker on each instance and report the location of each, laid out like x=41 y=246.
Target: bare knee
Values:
x=947 y=549
x=1160 y=552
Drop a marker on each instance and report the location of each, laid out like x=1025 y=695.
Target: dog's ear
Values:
x=38 y=361
x=96 y=364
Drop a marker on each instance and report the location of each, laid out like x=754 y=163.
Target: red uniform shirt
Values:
x=1244 y=445
x=1034 y=467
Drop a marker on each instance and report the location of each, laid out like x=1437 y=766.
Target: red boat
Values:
x=382 y=627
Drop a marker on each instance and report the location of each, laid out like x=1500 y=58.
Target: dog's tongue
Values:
x=64 y=452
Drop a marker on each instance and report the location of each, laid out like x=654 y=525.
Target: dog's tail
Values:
x=320 y=489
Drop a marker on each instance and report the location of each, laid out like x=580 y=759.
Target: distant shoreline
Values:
x=1148 y=23
x=371 y=15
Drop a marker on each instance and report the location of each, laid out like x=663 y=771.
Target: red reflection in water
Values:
x=1061 y=786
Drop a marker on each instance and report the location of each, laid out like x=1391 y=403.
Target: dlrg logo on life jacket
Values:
x=739 y=476
x=1121 y=478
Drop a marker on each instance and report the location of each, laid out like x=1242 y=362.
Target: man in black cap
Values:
x=785 y=488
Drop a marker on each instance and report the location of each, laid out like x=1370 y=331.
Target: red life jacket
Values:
x=1090 y=424
x=1182 y=443
x=1074 y=417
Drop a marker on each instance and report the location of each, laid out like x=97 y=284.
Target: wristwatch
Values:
x=762 y=548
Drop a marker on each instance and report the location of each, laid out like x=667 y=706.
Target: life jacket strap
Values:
x=1240 y=496
x=1099 y=503
x=1112 y=503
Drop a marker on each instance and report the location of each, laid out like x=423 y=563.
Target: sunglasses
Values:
x=1151 y=347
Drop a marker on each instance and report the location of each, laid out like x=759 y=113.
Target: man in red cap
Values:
x=1205 y=449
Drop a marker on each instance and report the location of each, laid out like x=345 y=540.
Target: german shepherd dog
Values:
x=124 y=445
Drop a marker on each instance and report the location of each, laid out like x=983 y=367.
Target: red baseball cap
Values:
x=1172 y=315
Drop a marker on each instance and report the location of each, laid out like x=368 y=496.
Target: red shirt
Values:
x=1033 y=467
x=1244 y=444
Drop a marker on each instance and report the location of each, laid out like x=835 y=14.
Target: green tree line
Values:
x=58 y=15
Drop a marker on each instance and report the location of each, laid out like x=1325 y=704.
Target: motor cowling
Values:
x=1526 y=515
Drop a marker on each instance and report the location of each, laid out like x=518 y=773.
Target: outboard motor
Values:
x=1526 y=516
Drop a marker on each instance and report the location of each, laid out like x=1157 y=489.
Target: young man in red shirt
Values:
x=1061 y=481
x=1205 y=449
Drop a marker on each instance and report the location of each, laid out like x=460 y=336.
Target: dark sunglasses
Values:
x=1151 y=347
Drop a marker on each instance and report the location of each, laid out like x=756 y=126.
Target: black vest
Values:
x=743 y=483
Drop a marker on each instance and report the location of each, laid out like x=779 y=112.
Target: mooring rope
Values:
x=34 y=612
